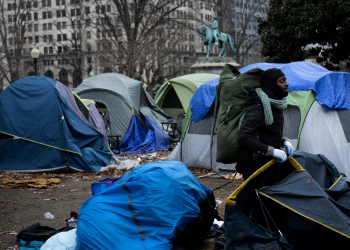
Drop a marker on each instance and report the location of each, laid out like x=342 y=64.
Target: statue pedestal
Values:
x=213 y=65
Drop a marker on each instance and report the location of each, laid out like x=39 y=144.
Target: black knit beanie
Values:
x=268 y=83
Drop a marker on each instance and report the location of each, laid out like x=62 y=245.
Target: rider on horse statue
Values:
x=215 y=30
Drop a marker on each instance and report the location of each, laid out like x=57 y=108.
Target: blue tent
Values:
x=45 y=127
x=146 y=209
x=332 y=88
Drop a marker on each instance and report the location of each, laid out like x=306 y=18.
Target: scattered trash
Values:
x=217 y=202
x=218 y=223
x=76 y=180
x=49 y=216
x=230 y=176
x=212 y=175
x=139 y=159
x=46 y=199
x=99 y=176
x=72 y=221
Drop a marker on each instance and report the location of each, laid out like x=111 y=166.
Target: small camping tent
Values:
x=128 y=111
x=45 y=127
x=174 y=95
x=198 y=142
x=118 y=96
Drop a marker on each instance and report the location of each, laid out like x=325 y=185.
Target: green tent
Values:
x=174 y=96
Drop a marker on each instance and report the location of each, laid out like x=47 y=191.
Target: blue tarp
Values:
x=202 y=99
x=50 y=133
x=146 y=209
x=332 y=88
x=137 y=140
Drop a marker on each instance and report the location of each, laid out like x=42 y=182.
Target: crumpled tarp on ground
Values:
x=30 y=183
x=138 y=140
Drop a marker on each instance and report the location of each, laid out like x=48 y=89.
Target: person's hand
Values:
x=280 y=154
x=289 y=147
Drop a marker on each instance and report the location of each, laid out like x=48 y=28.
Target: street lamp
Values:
x=35 y=55
x=91 y=74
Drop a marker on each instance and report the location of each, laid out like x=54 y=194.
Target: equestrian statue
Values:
x=215 y=36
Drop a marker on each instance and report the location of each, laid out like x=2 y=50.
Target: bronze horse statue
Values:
x=206 y=32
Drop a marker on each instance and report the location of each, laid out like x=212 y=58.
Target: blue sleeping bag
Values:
x=146 y=209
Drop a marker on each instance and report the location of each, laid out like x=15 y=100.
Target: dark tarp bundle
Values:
x=312 y=213
x=137 y=140
x=40 y=130
x=153 y=207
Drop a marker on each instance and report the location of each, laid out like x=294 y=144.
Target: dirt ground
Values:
x=20 y=208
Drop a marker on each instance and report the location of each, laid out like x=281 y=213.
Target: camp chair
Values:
x=296 y=210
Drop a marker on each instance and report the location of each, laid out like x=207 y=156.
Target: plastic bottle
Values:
x=49 y=216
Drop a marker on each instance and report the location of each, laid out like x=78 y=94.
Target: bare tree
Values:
x=141 y=37
x=16 y=23
x=241 y=23
x=73 y=49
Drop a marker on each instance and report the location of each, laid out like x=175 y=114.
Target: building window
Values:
x=45 y=38
x=72 y=12
x=87 y=10
x=64 y=25
x=36 y=27
x=50 y=38
x=120 y=32
x=10 y=41
x=64 y=37
x=59 y=49
x=44 y=15
x=45 y=50
x=45 y=26
x=88 y=34
x=59 y=37
x=49 y=26
x=30 y=28
x=108 y=8
x=58 y=13
x=78 y=12
x=36 y=39
x=51 y=50
x=49 y=14
x=58 y=25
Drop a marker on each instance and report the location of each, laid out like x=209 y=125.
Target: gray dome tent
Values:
x=117 y=97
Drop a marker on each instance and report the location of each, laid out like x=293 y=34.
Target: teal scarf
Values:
x=267 y=101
